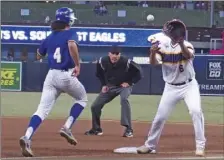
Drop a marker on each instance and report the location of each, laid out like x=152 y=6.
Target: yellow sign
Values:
x=11 y=76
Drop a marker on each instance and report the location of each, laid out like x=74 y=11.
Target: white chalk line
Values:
x=103 y=156
x=133 y=121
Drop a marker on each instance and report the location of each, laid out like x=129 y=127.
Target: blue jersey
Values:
x=56 y=46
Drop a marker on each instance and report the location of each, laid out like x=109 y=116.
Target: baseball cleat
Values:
x=145 y=150
x=25 y=145
x=97 y=132
x=128 y=133
x=67 y=134
x=200 y=152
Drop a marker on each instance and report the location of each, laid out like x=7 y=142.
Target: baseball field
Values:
x=177 y=140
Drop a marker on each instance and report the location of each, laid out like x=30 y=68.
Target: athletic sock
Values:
x=35 y=121
x=75 y=111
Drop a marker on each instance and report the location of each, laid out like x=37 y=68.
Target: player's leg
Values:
x=96 y=108
x=78 y=92
x=168 y=101
x=193 y=101
x=48 y=98
x=126 y=111
x=74 y=88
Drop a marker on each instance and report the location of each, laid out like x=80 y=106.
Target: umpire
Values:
x=117 y=75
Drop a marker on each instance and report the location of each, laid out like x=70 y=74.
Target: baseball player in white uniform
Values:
x=176 y=57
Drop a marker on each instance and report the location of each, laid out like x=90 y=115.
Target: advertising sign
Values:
x=87 y=36
x=11 y=76
x=210 y=74
x=215 y=69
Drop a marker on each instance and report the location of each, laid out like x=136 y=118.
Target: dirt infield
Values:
x=177 y=139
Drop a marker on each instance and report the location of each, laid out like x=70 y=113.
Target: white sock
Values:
x=69 y=122
x=29 y=132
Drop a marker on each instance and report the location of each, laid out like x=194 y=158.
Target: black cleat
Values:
x=128 y=133
x=97 y=132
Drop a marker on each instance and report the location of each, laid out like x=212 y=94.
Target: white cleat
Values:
x=145 y=150
x=200 y=152
x=67 y=134
x=25 y=145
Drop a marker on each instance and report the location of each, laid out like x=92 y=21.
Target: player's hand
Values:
x=105 y=89
x=154 y=48
x=76 y=71
x=125 y=85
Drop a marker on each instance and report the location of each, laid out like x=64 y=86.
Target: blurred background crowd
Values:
x=117 y=12
x=195 y=14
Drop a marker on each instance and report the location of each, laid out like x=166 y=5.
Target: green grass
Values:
x=144 y=107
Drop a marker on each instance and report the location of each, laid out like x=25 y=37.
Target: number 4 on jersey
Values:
x=57 y=55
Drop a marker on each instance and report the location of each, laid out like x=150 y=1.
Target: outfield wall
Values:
x=209 y=69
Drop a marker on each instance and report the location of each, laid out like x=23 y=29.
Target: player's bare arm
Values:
x=186 y=52
x=42 y=50
x=73 y=50
x=39 y=56
x=153 y=51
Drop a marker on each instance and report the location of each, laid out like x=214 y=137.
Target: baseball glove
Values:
x=175 y=29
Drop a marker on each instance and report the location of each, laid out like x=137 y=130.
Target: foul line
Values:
x=117 y=121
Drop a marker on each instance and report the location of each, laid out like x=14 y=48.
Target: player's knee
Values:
x=82 y=102
x=159 y=120
x=195 y=111
x=42 y=112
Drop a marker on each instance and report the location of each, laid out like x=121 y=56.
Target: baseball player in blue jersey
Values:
x=63 y=60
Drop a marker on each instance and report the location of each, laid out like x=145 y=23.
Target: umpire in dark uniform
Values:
x=117 y=75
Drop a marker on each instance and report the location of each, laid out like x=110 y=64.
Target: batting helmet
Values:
x=175 y=29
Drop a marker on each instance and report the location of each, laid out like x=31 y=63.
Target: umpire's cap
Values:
x=115 y=49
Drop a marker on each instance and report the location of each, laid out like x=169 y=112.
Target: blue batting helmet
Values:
x=66 y=15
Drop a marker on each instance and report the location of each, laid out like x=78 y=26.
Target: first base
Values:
x=131 y=150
